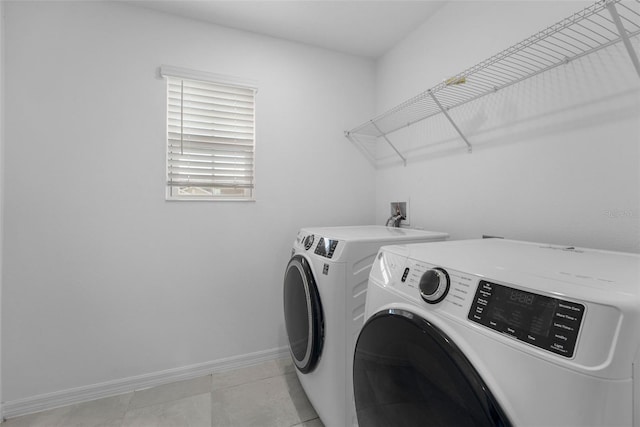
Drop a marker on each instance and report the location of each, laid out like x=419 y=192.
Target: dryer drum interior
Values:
x=407 y=372
x=303 y=314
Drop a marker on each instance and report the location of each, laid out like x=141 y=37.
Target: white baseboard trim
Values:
x=57 y=399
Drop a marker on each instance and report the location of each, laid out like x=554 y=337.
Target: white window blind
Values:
x=210 y=139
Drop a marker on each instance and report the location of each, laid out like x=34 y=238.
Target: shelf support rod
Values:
x=446 y=114
x=404 y=160
x=623 y=35
x=360 y=146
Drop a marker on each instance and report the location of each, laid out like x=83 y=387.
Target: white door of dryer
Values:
x=303 y=315
x=407 y=372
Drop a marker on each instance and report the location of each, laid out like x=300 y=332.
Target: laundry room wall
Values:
x=555 y=158
x=1 y=181
x=104 y=281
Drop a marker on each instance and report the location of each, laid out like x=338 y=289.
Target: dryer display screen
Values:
x=545 y=322
x=326 y=247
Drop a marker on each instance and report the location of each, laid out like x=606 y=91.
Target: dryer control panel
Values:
x=548 y=323
x=326 y=247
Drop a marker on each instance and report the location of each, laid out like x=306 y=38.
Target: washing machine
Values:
x=325 y=286
x=499 y=333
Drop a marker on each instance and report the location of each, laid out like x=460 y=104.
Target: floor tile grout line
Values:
x=306 y=421
x=199 y=392
x=253 y=381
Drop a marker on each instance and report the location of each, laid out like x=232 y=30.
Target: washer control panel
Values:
x=447 y=291
x=548 y=323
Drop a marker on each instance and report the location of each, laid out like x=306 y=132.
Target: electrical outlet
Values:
x=403 y=207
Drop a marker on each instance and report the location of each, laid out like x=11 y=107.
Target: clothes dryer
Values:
x=325 y=287
x=499 y=333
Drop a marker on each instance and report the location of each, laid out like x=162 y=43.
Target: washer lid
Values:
x=368 y=233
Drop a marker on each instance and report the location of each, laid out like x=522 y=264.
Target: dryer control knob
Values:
x=434 y=285
x=308 y=241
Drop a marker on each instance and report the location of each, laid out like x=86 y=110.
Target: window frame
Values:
x=166 y=72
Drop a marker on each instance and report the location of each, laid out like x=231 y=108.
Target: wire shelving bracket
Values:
x=598 y=26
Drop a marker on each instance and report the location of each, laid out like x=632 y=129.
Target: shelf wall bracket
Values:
x=404 y=160
x=624 y=36
x=446 y=114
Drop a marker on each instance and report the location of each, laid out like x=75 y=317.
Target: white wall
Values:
x=555 y=158
x=103 y=278
x=1 y=183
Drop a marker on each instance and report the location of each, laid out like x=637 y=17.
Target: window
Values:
x=210 y=136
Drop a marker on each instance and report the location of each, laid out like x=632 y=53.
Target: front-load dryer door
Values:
x=303 y=314
x=407 y=372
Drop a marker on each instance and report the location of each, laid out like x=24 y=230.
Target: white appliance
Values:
x=324 y=296
x=499 y=333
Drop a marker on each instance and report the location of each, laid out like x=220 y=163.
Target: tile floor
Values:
x=264 y=395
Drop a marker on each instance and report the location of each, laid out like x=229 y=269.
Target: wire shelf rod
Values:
x=548 y=52
x=585 y=35
x=625 y=37
x=527 y=65
x=523 y=65
x=392 y=146
x=492 y=77
x=485 y=86
x=624 y=18
x=594 y=32
x=534 y=57
x=444 y=111
x=563 y=50
x=568 y=43
x=513 y=72
x=630 y=11
x=501 y=69
x=594 y=22
x=580 y=45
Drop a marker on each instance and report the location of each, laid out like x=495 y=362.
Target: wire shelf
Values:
x=600 y=25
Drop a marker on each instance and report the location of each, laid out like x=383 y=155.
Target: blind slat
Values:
x=212 y=164
x=209 y=104
x=206 y=184
x=189 y=127
x=212 y=160
x=209 y=144
x=220 y=119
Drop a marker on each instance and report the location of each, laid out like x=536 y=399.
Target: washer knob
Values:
x=434 y=285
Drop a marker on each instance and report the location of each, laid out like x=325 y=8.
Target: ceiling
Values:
x=362 y=27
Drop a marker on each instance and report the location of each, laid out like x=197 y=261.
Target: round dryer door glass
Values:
x=407 y=372
x=303 y=314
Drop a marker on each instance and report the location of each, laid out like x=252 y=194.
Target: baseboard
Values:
x=57 y=399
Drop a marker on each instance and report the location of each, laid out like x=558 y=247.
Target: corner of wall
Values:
x=1 y=186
